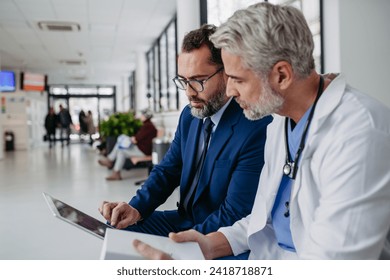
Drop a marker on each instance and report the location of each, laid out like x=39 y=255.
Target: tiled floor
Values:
x=28 y=230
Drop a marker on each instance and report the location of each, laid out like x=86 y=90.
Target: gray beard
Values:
x=269 y=102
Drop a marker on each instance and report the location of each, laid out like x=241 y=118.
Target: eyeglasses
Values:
x=196 y=85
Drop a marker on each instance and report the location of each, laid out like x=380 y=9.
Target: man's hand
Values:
x=119 y=214
x=150 y=252
x=206 y=242
x=212 y=245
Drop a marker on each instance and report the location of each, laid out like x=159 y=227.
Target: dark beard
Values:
x=212 y=106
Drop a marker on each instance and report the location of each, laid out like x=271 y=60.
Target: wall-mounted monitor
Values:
x=32 y=81
x=7 y=81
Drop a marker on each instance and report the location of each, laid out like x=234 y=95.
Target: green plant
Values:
x=120 y=123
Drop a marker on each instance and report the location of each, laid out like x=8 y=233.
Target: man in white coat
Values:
x=324 y=191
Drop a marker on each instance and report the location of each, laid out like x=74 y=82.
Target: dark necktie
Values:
x=207 y=128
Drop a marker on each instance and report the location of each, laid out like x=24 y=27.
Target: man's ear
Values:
x=281 y=75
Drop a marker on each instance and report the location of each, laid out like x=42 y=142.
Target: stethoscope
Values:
x=290 y=168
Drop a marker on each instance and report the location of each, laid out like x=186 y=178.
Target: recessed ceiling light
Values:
x=59 y=26
x=73 y=61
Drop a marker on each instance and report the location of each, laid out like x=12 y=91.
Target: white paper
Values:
x=118 y=245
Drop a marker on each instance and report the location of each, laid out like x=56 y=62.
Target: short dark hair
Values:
x=199 y=37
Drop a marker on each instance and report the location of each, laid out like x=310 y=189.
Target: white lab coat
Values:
x=340 y=201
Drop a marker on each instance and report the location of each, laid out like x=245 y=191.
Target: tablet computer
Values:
x=75 y=217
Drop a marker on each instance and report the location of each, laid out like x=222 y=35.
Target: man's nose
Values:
x=231 y=90
x=190 y=91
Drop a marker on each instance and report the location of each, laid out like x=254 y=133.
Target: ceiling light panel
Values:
x=59 y=26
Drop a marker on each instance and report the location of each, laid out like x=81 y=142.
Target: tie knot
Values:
x=208 y=125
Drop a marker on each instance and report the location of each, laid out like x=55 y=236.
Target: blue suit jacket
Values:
x=229 y=180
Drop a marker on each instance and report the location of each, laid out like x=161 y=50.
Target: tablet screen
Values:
x=76 y=217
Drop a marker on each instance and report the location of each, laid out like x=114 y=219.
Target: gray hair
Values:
x=147 y=113
x=264 y=34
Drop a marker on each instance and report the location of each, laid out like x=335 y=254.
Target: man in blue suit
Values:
x=223 y=191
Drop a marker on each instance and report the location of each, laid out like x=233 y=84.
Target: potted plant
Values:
x=117 y=124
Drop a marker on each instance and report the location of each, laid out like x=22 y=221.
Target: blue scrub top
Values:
x=280 y=222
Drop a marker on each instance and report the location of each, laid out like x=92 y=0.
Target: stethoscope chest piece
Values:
x=287 y=169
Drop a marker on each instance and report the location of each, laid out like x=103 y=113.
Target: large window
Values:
x=99 y=99
x=162 y=65
x=132 y=87
x=218 y=11
x=311 y=9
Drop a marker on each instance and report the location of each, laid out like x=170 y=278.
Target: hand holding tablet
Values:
x=118 y=244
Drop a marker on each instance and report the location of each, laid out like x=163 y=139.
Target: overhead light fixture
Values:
x=78 y=78
x=74 y=62
x=60 y=26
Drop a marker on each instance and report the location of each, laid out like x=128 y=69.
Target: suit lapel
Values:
x=219 y=139
x=189 y=154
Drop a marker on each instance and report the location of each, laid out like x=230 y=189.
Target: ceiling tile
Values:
x=111 y=31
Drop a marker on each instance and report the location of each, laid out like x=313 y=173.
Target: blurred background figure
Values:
x=131 y=147
x=90 y=126
x=83 y=125
x=51 y=121
x=65 y=120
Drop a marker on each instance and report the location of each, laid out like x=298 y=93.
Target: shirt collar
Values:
x=218 y=115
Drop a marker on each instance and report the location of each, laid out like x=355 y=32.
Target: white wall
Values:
x=36 y=110
x=24 y=115
x=141 y=81
x=122 y=97
x=14 y=118
x=357 y=43
x=188 y=18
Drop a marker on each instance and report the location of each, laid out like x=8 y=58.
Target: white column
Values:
x=123 y=98
x=188 y=18
x=357 y=43
x=141 y=81
x=331 y=31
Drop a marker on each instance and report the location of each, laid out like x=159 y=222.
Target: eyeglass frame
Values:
x=201 y=82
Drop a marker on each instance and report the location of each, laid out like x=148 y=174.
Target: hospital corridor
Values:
x=29 y=231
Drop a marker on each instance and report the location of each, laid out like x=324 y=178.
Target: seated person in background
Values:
x=333 y=201
x=217 y=187
x=127 y=147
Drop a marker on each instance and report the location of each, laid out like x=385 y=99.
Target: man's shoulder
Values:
x=186 y=115
x=148 y=124
x=186 y=111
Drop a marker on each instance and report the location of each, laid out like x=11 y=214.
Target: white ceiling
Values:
x=112 y=33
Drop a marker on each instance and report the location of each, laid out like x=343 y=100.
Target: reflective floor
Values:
x=28 y=230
